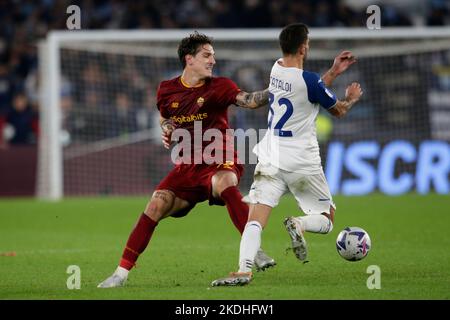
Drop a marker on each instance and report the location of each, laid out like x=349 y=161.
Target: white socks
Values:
x=122 y=272
x=317 y=223
x=250 y=243
x=251 y=237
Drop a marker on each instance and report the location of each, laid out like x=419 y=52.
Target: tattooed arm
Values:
x=352 y=95
x=167 y=127
x=252 y=100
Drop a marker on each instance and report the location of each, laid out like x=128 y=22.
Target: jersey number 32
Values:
x=285 y=117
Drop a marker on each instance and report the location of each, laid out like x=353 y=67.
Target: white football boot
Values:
x=115 y=280
x=234 y=279
x=263 y=261
x=293 y=227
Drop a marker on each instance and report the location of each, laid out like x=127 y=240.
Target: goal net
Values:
x=100 y=128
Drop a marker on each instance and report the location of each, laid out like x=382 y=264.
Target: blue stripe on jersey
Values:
x=317 y=92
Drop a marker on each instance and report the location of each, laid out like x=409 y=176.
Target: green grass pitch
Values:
x=410 y=243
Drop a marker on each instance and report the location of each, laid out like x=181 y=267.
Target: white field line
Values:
x=55 y=251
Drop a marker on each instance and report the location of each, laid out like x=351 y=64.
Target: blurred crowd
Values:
x=24 y=22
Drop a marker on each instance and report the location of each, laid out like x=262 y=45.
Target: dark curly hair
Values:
x=191 y=45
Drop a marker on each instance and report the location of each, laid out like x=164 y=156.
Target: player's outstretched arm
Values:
x=167 y=128
x=252 y=100
x=352 y=95
x=341 y=63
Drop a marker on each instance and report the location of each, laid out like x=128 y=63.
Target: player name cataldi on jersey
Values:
x=280 y=84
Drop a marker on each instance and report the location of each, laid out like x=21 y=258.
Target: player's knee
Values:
x=222 y=180
x=159 y=205
x=330 y=215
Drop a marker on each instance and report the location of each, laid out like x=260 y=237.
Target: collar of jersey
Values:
x=283 y=67
x=188 y=86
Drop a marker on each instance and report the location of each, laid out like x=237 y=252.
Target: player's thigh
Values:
x=267 y=187
x=164 y=203
x=312 y=193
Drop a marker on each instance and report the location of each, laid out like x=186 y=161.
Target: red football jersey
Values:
x=207 y=103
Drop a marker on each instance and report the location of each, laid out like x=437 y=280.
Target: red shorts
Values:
x=192 y=182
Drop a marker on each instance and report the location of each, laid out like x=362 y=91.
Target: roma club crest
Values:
x=200 y=101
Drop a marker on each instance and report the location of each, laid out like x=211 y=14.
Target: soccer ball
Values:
x=353 y=243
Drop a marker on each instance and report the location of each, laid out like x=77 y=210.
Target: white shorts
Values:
x=270 y=183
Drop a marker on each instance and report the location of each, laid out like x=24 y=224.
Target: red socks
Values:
x=138 y=241
x=142 y=232
x=237 y=209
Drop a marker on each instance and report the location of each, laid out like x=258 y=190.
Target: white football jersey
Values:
x=290 y=142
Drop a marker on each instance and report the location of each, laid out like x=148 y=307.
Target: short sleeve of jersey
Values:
x=317 y=92
x=160 y=101
x=227 y=91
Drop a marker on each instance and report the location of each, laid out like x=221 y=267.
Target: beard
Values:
x=208 y=76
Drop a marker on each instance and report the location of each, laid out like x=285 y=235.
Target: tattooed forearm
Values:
x=329 y=77
x=261 y=97
x=166 y=125
x=252 y=100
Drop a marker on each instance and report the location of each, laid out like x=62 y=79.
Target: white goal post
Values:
x=150 y=43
